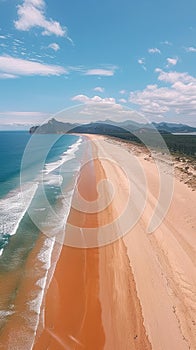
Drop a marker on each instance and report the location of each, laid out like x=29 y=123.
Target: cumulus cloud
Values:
x=173 y=76
x=176 y=99
x=54 y=46
x=99 y=89
x=154 y=50
x=100 y=72
x=94 y=99
x=32 y=14
x=97 y=108
x=172 y=61
x=11 y=67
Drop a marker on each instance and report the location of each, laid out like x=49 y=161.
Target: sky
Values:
x=114 y=57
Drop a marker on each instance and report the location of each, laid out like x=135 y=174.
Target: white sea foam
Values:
x=55 y=224
x=39 y=209
x=40 y=282
x=5 y=313
x=56 y=220
x=14 y=206
x=24 y=338
x=19 y=203
x=68 y=155
x=53 y=180
x=45 y=254
x=35 y=304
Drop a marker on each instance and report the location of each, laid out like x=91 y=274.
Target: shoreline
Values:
x=98 y=321
x=184 y=165
x=136 y=292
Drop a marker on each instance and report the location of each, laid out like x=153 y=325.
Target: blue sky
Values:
x=110 y=55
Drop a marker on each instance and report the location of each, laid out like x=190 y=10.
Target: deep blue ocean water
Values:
x=37 y=177
x=12 y=145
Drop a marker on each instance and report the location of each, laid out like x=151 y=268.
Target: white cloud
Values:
x=7 y=76
x=94 y=99
x=142 y=62
x=32 y=14
x=107 y=71
x=154 y=50
x=28 y=118
x=122 y=100
x=178 y=99
x=100 y=72
x=190 y=49
x=54 y=47
x=166 y=42
x=99 y=89
x=122 y=92
x=173 y=77
x=14 y=67
x=2 y=37
x=81 y=98
x=97 y=108
x=172 y=61
x=23 y=114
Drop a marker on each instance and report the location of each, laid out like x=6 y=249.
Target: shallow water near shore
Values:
x=28 y=195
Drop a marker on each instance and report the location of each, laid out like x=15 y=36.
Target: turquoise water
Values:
x=37 y=178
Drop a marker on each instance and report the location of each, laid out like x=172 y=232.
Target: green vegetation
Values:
x=183 y=144
x=177 y=144
x=146 y=134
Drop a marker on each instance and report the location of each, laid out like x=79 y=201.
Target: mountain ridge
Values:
x=55 y=126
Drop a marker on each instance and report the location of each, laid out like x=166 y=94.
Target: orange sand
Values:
x=74 y=303
x=135 y=293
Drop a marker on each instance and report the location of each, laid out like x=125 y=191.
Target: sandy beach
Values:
x=112 y=285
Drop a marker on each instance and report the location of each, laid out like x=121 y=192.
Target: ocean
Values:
x=37 y=180
x=37 y=175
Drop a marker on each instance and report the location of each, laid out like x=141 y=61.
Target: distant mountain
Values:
x=129 y=125
x=53 y=126
x=108 y=127
x=100 y=128
x=174 y=128
x=131 y=131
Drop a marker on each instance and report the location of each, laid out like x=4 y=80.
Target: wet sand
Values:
x=137 y=292
x=19 y=288
x=92 y=302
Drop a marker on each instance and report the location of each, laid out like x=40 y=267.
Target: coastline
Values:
x=96 y=289
x=136 y=292
x=184 y=165
x=165 y=273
